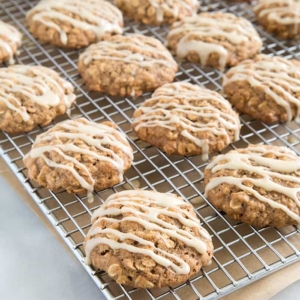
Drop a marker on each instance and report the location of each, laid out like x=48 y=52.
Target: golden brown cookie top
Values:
x=278 y=77
x=10 y=39
x=22 y=87
x=164 y=215
x=269 y=173
x=79 y=142
x=98 y=16
x=171 y=7
x=285 y=12
x=206 y=33
x=140 y=50
x=157 y=12
x=188 y=109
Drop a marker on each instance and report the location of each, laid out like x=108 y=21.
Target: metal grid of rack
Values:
x=242 y=253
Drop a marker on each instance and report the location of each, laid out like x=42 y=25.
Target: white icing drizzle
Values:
x=203 y=49
x=134 y=48
x=99 y=16
x=267 y=168
x=170 y=114
x=93 y=134
x=279 y=13
x=171 y=7
x=16 y=79
x=11 y=35
x=278 y=77
x=162 y=204
x=229 y=27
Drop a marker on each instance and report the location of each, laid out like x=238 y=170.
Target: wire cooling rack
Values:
x=242 y=253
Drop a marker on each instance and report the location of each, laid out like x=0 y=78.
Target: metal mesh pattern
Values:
x=242 y=253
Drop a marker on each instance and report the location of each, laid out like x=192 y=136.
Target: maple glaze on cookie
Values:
x=258 y=185
x=157 y=12
x=281 y=17
x=127 y=65
x=79 y=156
x=74 y=23
x=214 y=39
x=10 y=40
x=186 y=119
x=266 y=88
x=31 y=96
x=147 y=239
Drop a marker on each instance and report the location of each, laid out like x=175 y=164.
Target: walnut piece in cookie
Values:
x=182 y=118
x=147 y=239
x=258 y=185
x=214 y=39
x=30 y=96
x=157 y=12
x=266 y=88
x=74 y=23
x=126 y=65
x=281 y=17
x=10 y=41
x=79 y=156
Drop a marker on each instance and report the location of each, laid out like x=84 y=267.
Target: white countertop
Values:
x=34 y=264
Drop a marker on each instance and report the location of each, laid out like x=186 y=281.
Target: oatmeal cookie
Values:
x=281 y=17
x=182 y=118
x=258 y=185
x=126 y=65
x=147 y=239
x=79 y=156
x=214 y=39
x=30 y=96
x=10 y=41
x=266 y=88
x=157 y=12
x=74 y=23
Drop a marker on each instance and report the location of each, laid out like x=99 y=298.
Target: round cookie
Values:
x=74 y=23
x=30 y=96
x=79 y=156
x=266 y=88
x=214 y=39
x=186 y=119
x=126 y=65
x=147 y=239
x=281 y=17
x=258 y=185
x=10 y=40
x=157 y=12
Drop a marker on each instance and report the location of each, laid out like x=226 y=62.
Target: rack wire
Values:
x=243 y=253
